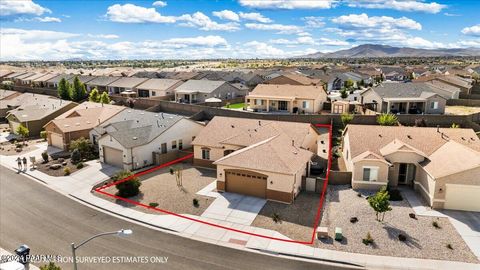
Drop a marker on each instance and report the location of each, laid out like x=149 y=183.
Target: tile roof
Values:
x=82 y=78
x=202 y=86
x=127 y=82
x=35 y=107
x=102 y=81
x=58 y=78
x=45 y=77
x=159 y=84
x=289 y=91
x=403 y=90
x=300 y=78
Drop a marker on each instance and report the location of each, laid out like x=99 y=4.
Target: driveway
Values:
x=235 y=208
x=468 y=226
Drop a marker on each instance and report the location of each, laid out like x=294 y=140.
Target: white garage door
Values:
x=113 y=156
x=462 y=197
x=56 y=140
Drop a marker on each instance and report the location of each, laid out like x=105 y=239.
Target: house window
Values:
x=258 y=102
x=370 y=173
x=154 y=93
x=305 y=104
x=434 y=105
x=180 y=144
x=174 y=144
x=164 y=148
x=206 y=153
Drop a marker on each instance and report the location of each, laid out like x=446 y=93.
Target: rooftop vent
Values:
x=232 y=126
x=135 y=138
x=408 y=136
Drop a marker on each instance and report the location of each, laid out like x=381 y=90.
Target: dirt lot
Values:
x=423 y=239
x=461 y=110
x=297 y=218
x=9 y=148
x=160 y=187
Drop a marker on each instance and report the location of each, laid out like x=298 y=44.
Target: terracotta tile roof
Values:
x=289 y=91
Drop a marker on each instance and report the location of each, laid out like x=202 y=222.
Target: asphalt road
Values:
x=48 y=222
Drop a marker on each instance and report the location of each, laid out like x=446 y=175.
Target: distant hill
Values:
x=374 y=50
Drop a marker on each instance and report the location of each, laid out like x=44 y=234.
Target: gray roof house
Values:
x=197 y=91
x=82 y=78
x=158 y=88
x=403 y=98
x=100 y=83
x=123 y=84
x=53 y=82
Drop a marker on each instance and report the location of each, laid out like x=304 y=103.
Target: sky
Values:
x=205 y=29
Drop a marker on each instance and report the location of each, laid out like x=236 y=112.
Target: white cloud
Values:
x=254 y=16
x=208 y=41
x=314 y=22
x=302 y=40
x=47 y=19
x=227 y=15
x=332 y=42
x=159 y=4
x=25 y=7
x=472 y=30
x=281 y=28
x=203 y=22
x=402 y=5
x=267 y=50
x=130 y=13
x=465 y=44
x=451 y=14
x=104 y=36
x=288 y=4
x=23 y=34
x=364 y=21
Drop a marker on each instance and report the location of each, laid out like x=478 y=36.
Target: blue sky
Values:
x=185 y=29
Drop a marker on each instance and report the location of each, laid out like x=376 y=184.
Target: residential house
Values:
x=267 y=159
x=293 y=79
x=35 y=111
x=12 y=76
x=42 y=81
x=372 y=72
x=78 y=122
x=53 y=82
x=286 y=98
x=442 y=164
x=132 y=138
x=443 y=89
x=101 y=83
x=339 y=81
x=4 y=73
x=19 y=80
x=124 y=84
x=395 y=74
x=465 y=85
x=197 y=91
x=28 y=81
x=83 y=78
x=8 y=94
x=403 y=98
x=158 y=88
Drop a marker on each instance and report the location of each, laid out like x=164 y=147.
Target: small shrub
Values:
x=45 y=156
x=128 y=188
x=449 y=246
x=153 y=204
x=412 y=215
x=76 y=156
x=18 y=145
x=80 y=165
x=353 y=220
x=43 y=134
x=195 y=202
x=402 y=237
x=50 y=266
x=66 y=171
x=436 y=225
x=368 y=239
x=387 y=119
x=276 y=218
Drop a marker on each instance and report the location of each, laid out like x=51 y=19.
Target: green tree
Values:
x=50 y=266
x=387 y=119
x=346 y=118
x=23 y=132
x=84 y=146
x=343 y=93
x=94 y=96
x=348 y=84
x=64 y=89
x=104 y=98
x=380 y=203
x=128 y=188
x=455 y=125
x=79 y=91
x=43 y=134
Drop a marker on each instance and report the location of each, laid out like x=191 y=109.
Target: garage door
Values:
x=56 y=140
x=113 y=156
x=246 y=183
x=462 y=197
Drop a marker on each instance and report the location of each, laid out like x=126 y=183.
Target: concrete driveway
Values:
x=234 y=208
x=468 y=226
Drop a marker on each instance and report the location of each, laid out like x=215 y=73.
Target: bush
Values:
x=387 y=119
x=18 y=145
x=353 y=220
x=128 y=188
x=412 y=215
x=84 y=146
x=66 y=171
x=436 y=225
x=43 y=134
x=45 y=156
x=153 y=204
x=50 y=266
x=402 y=237
x=368 y=239
x=395 y=195
x=80 y=165
x=276 y=218
x=346 y=118
x=449 y=246
x=196 y=203
x=76 y=156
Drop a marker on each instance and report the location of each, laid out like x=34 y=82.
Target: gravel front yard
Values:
x=161 y=187
x=297 y=218
x=423 y=239
x=461 y=110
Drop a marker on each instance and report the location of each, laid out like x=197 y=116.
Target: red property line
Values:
x=317 y=217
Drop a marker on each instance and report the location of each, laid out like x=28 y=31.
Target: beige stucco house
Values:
x=286 y=98
x=267 y=159
x=442 y=164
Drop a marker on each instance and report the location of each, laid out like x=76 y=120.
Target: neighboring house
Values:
x=11 y=77
x=100 y=83
x=132 y=138
x=78 y=122
x=338 y=82
x=372 y=72
x=28 y=81
x=292 y=79
x=267 y=159
x=35 y=111
x=443 y=89
x=442 y=164
x=127 y=84
x=403 y=98
x=197 y=91
x=395 y=74
x=4 y=73
x=8 y=94
x=465 y=85
x=83 y=78
x=287 y=98
x=42 y=81
x=19 y=80
x=158 y=88
x=53 y=82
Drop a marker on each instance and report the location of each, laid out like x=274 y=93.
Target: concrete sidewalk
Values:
x=79 y=186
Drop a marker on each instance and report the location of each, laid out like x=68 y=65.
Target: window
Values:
x=305 y=104
x=258 y=102
x=180 y=144
x=154 y=93
x=164 y=148
x=174 y=144
x=206 y=153
x=434 y=105
x=370 y=173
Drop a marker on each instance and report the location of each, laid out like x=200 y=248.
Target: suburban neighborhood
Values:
x=216 y=152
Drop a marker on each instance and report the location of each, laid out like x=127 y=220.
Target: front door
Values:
x=406 y=173
x=282 y=105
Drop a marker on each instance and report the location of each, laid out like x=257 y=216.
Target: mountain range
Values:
x=378 y=51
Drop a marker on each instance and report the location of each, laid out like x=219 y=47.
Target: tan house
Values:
x=442 y=164
x=292 y=79
x=78 y=122
x=267 y=159
x=286 y=98
x=158 y=88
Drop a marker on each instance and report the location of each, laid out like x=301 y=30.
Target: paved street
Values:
x=48 y=221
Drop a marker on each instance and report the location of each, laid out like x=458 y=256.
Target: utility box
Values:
x=338 y=234
x=23 y=252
